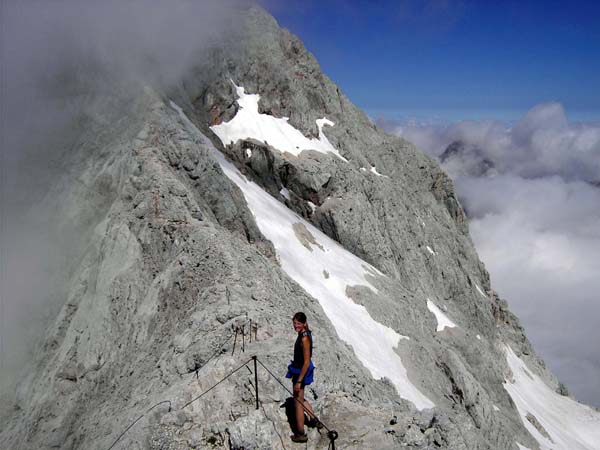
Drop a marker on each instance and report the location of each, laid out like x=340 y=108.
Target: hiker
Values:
x=301 y=371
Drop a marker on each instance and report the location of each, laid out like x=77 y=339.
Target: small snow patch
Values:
x=522 y=447
x=478 y=337
x=374 y=170
x=495 y=408
x=373 y=270
x=285 y=193
x=312 y=206
x=430 y=250
x=480 y=291
x=248 y=152
x=442 y=319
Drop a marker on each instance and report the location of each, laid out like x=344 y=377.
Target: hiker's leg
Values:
x=299 y=396
x=311 y=413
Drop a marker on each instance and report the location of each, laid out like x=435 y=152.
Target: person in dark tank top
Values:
x=301 y=371
x=298 y=361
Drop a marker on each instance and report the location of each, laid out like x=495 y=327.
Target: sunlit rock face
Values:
x=249 y=191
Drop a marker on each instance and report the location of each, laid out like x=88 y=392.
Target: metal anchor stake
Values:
x=255 y=380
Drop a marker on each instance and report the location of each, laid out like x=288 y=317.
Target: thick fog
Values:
x=532 y=194
x=60 y=60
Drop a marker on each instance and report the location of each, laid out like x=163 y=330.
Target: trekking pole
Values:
x=255 y=379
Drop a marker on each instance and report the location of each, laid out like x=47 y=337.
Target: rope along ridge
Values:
x=219 y=349
x=184 y=406
x=331 y=434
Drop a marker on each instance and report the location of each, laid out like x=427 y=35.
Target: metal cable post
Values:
x=255 y=379
x=332 y=435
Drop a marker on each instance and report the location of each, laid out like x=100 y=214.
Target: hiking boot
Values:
x=299 y=438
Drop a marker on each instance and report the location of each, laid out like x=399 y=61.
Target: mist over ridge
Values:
x=72 y=69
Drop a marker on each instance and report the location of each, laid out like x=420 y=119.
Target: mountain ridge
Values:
x=180 y=258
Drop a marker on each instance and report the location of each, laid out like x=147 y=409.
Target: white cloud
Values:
x=535 y=221
x=542 y=143
x=540 y=240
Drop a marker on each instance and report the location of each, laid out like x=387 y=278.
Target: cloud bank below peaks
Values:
x=532 y=195
x=542 y=143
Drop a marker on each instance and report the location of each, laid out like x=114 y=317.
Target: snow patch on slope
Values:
x=522 y=447
x=276 y=132
x=480 y=291
x=374 y=170
x=285 y=193
x=442 y=319
x=570 y=425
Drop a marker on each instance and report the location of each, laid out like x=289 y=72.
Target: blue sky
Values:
x=452 y=59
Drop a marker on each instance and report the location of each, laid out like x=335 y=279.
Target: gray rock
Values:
x=414 y=437
x=250 y=432
x=177 y=418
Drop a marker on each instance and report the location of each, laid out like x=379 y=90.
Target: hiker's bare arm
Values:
x=306 y=352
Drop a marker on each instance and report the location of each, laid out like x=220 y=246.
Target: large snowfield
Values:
x=570 y=425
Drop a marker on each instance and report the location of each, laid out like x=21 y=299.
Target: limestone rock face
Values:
x=177 y=267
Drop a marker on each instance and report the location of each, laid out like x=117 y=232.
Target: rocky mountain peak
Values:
x=461 y=158
x=251 y=190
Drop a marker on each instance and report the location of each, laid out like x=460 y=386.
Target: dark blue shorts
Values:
x=294 y=373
